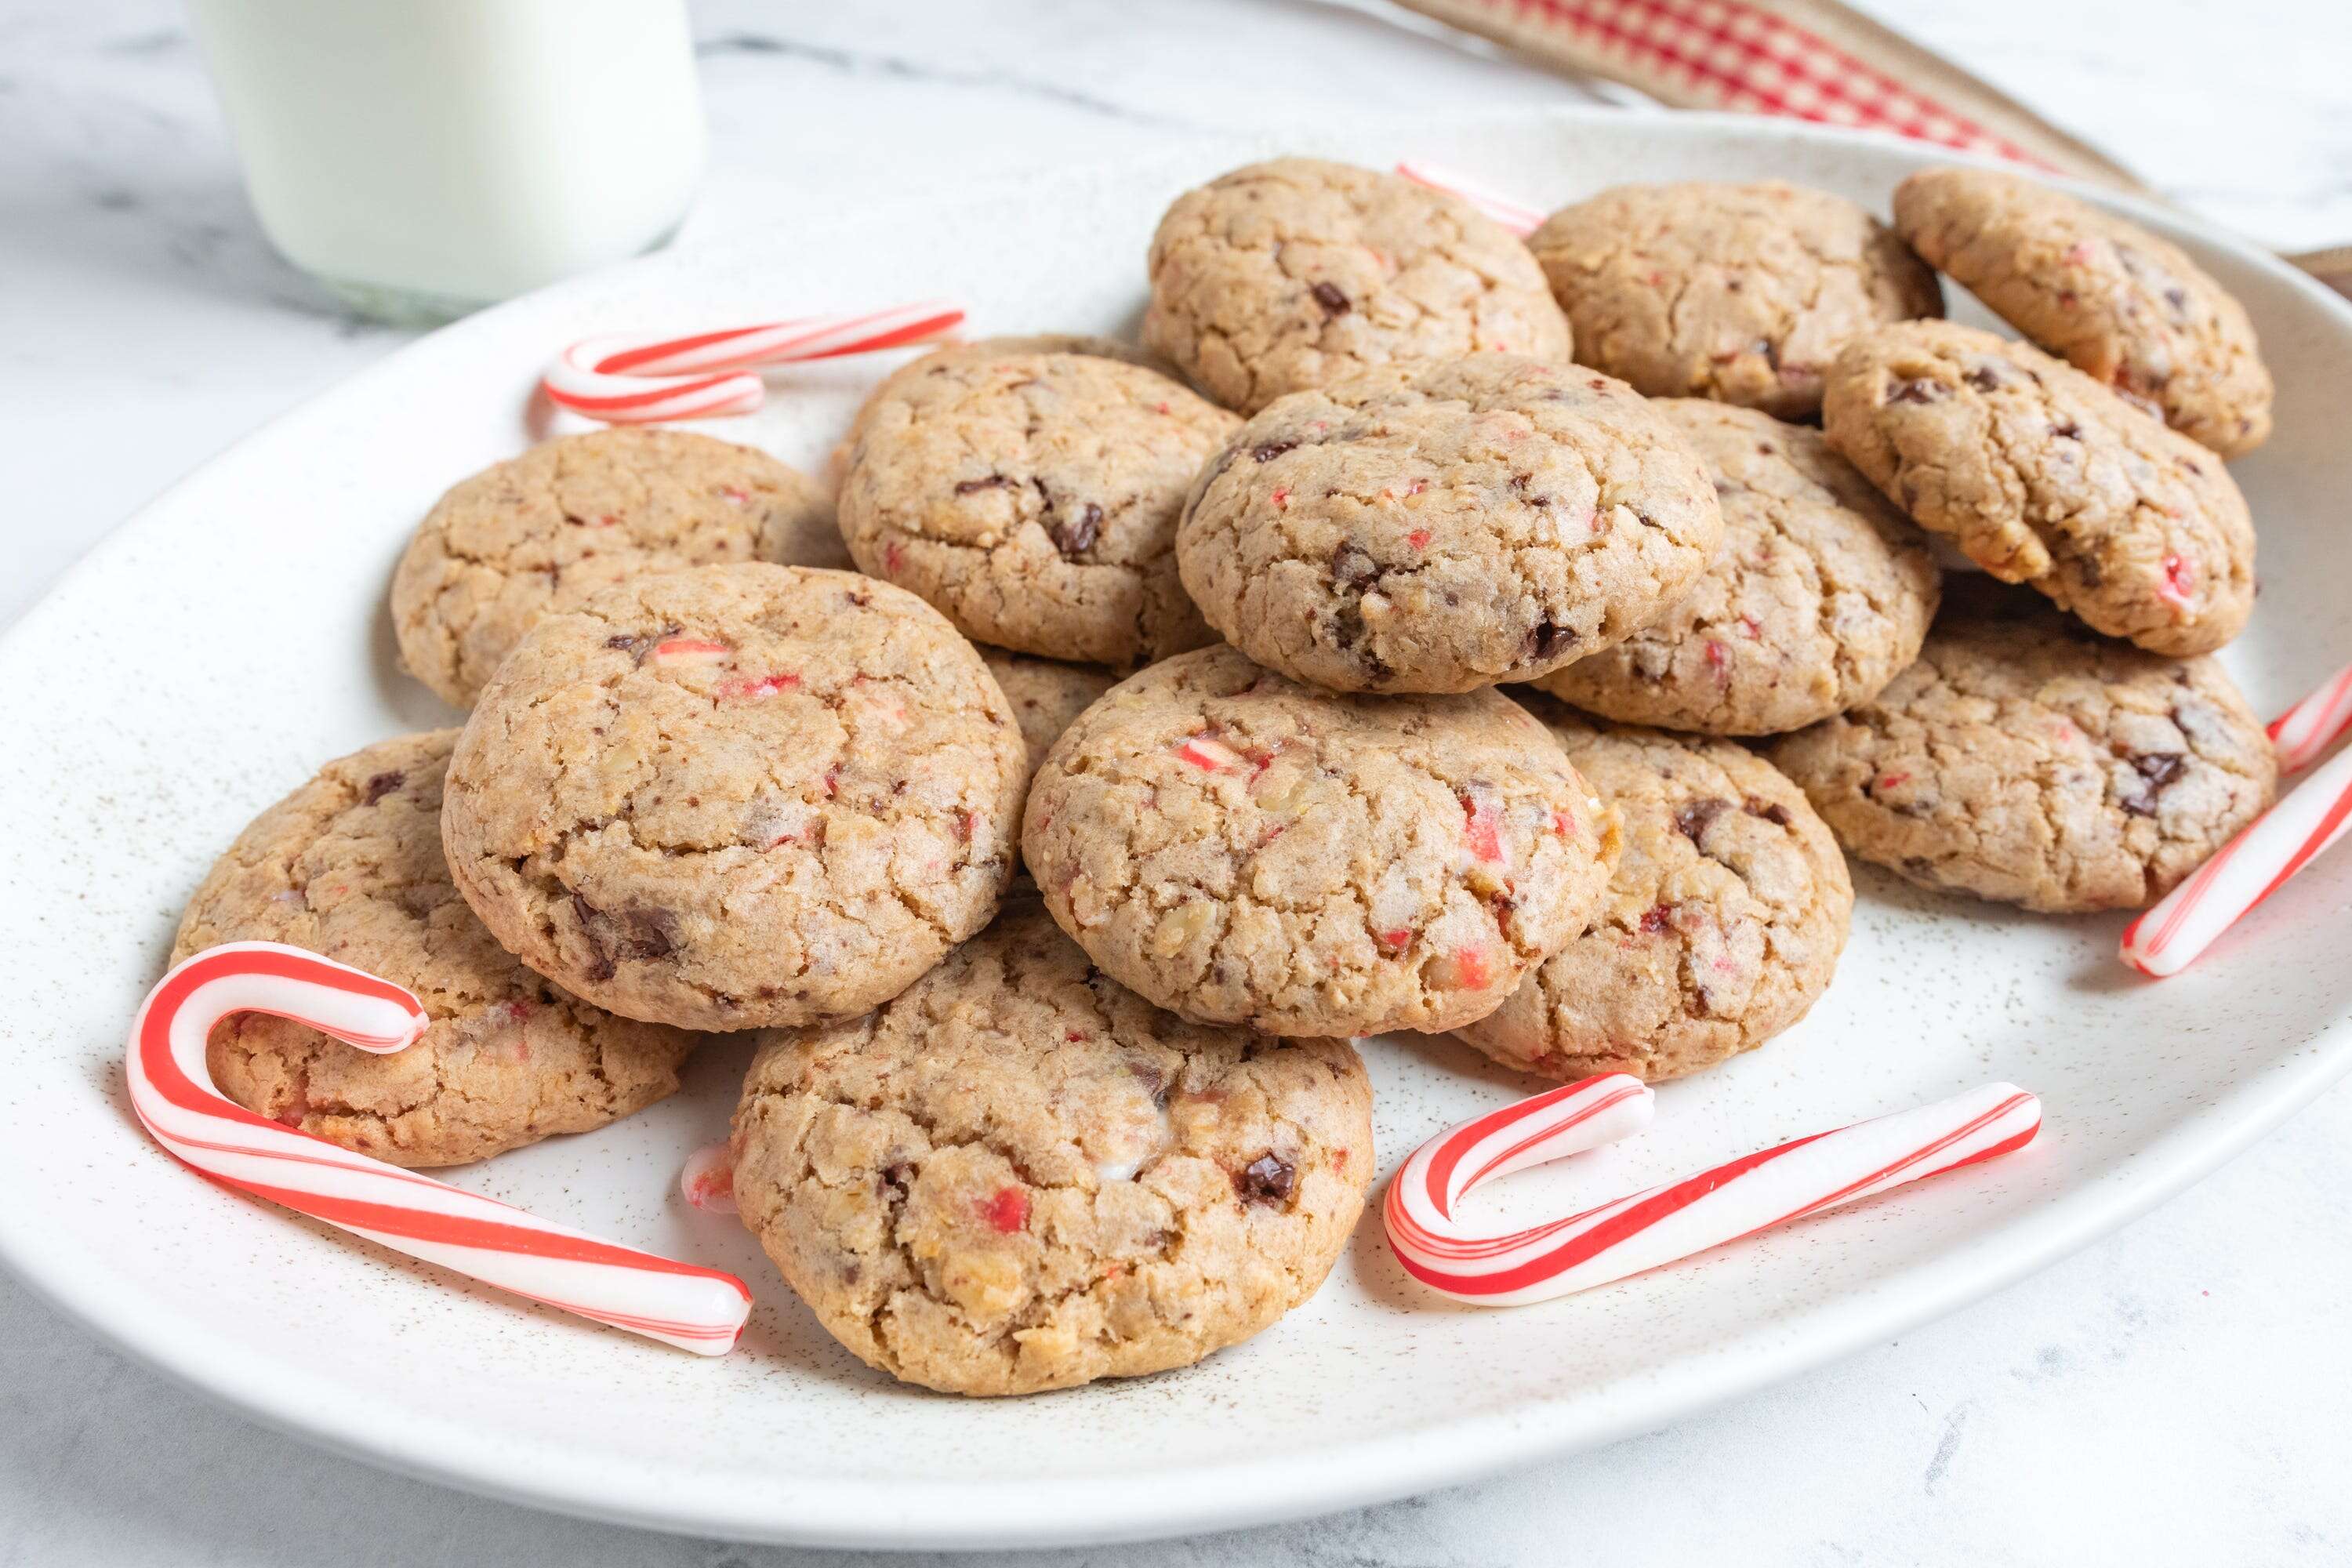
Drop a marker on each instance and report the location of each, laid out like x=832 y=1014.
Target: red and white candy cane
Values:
x=646 y=380
x=1661 y=1224
x=2168 y=936
x=1521 y=221
x=172 y=1091
x=2302 y=733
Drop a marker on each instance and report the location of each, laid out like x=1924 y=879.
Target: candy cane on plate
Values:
x=1521 y=221
x=2302 y=733
x=1661 y=1224
x=172 y=1091
x=645 y=380
x=2167 y=936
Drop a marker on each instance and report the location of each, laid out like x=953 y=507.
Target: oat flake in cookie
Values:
x=2026 y=760
x=1818 y=595
x=1032 y=498
x=738 y=795
x=1239 y=848
x=2106 y=296
x=1020 y=1176
x=570 y=518
x=1447 y=526
x=349 y=866
x=1740 y=293
x=2042 y=475
x=1299 y=273
x=1721 y=927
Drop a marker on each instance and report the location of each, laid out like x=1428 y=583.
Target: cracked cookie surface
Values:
x=2042 y=476
x=349 y=866
x=1032 y=498
x=1445 y=526
x=1297 y=272
x=2106 y=296
x=1020 y=1176
x=1740 y=293
x=738 y=795
x=1818 y=595
x=1722 y=925
x=2025 y=759
x=1046 y=695
x=1239 y=848
x=545 y=531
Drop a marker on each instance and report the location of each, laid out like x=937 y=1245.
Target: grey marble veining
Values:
x=2171 y=1394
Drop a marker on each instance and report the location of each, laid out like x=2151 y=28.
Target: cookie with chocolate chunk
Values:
x=1721 y=926
x=2042 y=475
x=2104 y=295
x=2025 y=759
x=736 y=796
x=351 y=865
x=1032 y=498
x=1020 y=1176
x=1297 y=272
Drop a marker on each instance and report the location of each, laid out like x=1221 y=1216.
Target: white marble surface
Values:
x=2173 y=1395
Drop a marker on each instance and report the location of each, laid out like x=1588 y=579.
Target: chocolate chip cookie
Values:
x=2025 y=759
x=1299 y=273
x=545 y=531
x=1032 y=498
x=1740 y=293
x=1020 y=1176
x=1243 y=850
x=2042 y=475
x=2104 y=295
x=1722 y=924
x=349 y=866
x=1444 y=526
x=738 y=795
x=1817 y=596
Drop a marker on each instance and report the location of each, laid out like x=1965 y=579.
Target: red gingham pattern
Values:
x=1741 y=57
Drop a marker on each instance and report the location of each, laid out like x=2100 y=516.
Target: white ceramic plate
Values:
x=232 y=636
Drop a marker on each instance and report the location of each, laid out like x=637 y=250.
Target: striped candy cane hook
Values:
x=1663 y=1224
x=1520 y=220
x=172 y=1091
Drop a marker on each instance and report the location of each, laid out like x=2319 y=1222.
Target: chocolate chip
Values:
x=2177 y=298
x=1154 y=1081
x=1918 y=392
x=1984 y=378
x=1266 y=1180
x=382 y=784
x=1771 y=811
x=894 y=1179
x=1353 y=568
x=2139 y=803
x=1694 y=819
x=993 y=482
x=2190 y=464
x=2159 y=768
x=1075 y=536
x=1267 y=452
x=1544 y=639
x=636 y=935
x=636 y=647
x=2068 y=431
x=1328 y=295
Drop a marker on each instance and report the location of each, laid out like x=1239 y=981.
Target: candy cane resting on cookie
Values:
x=1521 y=221
x=647 y=380
x=1661 y=1224
x=2167 y=936
x=171 y=1089
x=2302 y=733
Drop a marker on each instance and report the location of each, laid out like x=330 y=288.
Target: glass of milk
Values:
x=420 y=158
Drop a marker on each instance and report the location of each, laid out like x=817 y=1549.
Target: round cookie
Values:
x=1240 y=850
x=1444 y=526
x=1816 y=598
x=2106 y=296
x=545 y=531
x=1046 y=694
x=1020 y=1176
x=738 y=795
x=1740 y=293
x=1033 y=498
x=1297 y=273
x=349 y=866
x=2025 y=759
x=980 y=350
x=2042 y=475
x=1722 y=924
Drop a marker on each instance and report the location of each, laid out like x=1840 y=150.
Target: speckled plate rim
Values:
x=1157 y=1501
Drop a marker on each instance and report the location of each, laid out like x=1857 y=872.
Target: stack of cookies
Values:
x=1257 y=647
